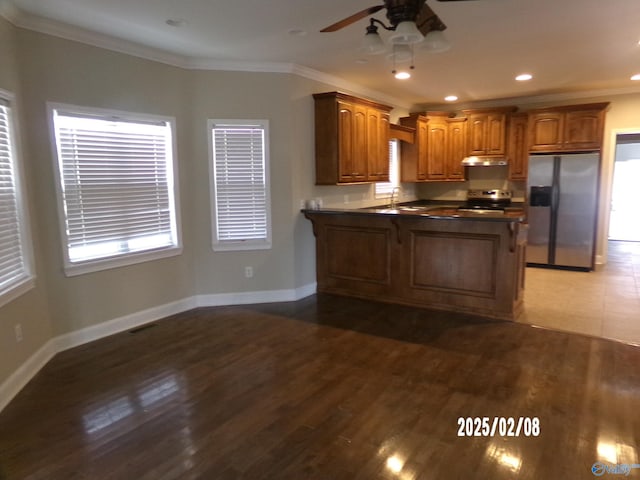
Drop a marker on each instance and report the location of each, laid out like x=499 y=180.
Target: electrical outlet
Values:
x=346 y=199
x=248 y=272
x=18 y=332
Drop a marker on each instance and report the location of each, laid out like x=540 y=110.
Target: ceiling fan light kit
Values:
x=401 y=53
x=435 y=42
x=372 y=44
x=406 y=33
x=412 y=22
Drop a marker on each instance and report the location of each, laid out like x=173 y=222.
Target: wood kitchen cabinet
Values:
x=457 y=148
x=351 y=139
x=438 y=149
x=571 y=128
x=437 y=138
x=487 y=130
x=378 y=145
x=471 y=266
x=518 y=146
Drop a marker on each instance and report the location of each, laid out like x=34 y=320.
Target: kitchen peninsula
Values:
x=429 y=256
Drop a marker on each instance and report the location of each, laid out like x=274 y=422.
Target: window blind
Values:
x=13 y=266
x=240 y=183
x=117 y=185
x=385 y=188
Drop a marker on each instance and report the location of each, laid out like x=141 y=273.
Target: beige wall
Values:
x=240 y=95
x=57 y=70
x=29 y=310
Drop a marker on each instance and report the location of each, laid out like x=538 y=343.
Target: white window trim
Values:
x=222 y=246
x=22 y=286
x=121 y=260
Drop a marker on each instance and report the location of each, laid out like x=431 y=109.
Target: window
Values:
x=117 y=189
x=15 y=247
x=240 y=178
x=384 y=189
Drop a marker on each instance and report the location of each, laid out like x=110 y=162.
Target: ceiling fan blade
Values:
x=353 y=18
x=427 y=20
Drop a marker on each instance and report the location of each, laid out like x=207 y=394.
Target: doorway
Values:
x=624 y=223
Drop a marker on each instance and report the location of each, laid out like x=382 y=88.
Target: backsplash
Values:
x=484 y=178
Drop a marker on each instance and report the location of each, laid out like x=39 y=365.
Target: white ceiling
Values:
x=570 y=46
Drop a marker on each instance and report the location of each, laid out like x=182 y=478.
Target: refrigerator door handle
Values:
x=555 y=205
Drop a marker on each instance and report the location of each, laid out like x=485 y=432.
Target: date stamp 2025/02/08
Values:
x=498 y=426
x=527 y=427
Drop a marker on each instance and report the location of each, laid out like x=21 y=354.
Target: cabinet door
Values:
x=456 y=148
x=518 y=148
x=360 y=150
x=422 y=140
x=346 y=121
x=436 y=149
x=383 y=156
x=545 y=131
x=377 y=145
x=495 y=131
x=583 y=130
x=477 y=134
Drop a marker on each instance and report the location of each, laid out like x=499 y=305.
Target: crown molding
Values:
x=343 y=84
x=9 y=11
x=194 y=63
x=27 y=21
x=568 y=96
x=542 y=99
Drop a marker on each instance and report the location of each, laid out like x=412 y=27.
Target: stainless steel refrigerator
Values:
x=562 y=210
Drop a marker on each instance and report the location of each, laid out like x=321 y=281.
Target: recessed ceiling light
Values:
x=176 y=22
x=524 y=77
x=451 y=98
x=636 y=76
x=297 y=32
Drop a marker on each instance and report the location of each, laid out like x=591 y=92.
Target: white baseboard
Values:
x=10 y=387
x=117 y=325
x=247 y=298
x=16 y=382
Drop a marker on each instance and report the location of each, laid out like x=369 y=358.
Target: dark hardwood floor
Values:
x=325 y=388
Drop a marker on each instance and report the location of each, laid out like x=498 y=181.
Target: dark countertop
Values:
x=428 y=209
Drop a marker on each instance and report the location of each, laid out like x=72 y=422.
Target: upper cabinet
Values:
x=351 y=139
x=487 y=130
x=438 y=148
x=571 y=128
x=456 y=147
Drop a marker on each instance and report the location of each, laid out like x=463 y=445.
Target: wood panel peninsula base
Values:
x=448 y=261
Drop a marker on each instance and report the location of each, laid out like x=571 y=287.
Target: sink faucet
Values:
x=393 y=198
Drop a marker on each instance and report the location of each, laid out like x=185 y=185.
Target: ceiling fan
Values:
x=398 y=11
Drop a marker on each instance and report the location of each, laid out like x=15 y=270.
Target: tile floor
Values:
x=604 y=303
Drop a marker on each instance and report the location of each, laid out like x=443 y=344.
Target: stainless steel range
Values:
x=487 y=201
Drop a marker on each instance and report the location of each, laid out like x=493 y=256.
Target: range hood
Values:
x=480 y=161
